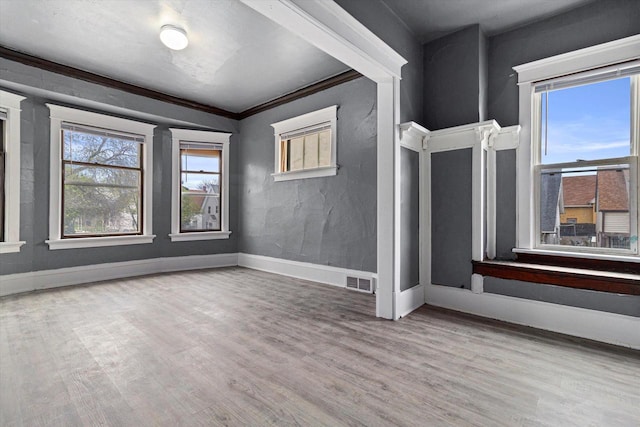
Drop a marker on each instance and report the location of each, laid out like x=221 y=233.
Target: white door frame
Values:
x=330 y=28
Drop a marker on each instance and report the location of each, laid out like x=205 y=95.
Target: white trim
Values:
x=11 y=103
x=211 y=137
x=477 y=283
x=409 y=300
x=330 y=28
x=95 y=242
x=580 y=60
x=204 y=235
x=591 y=324
x=506 y=139
x=58 y=115
x=336 y=32
x=305 y=173
x=326 y=274
x=573 y=254
x=46 y=279
x=413 y=136
x=314 y=118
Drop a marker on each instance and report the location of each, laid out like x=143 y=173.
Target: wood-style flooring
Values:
x=236 y=346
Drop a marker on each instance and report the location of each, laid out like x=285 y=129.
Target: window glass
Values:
x=586 y=122
x=102 y=184
x=200 y=180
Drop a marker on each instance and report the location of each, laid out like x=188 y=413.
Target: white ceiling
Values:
x=236 y=58
x=430 y=19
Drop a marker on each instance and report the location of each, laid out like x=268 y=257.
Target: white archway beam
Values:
x=331 y=29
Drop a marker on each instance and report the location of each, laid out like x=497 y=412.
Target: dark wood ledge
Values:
x=583 y=263
x=604 y=281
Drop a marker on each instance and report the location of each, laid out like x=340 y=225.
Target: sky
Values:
x=588 y=122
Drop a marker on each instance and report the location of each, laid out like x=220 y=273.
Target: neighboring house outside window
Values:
x=10 y=172
x=579 y=154
x=200 y=185
x=305 y=146
x=101 y=175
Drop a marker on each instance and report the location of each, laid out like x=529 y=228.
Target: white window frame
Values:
x=58 y=115
x=10 y=103
x=314 y=118
x=188 y=135
x=583 y=60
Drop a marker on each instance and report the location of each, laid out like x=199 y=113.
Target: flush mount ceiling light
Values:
x=174 y=37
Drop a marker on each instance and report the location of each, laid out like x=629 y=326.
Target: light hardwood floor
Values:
x=241 y=347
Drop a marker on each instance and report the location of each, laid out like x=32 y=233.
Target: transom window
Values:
x=200 y=172
x=305 y=146
x=101 y=182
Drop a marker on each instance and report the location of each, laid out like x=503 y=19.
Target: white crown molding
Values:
x=413 y=136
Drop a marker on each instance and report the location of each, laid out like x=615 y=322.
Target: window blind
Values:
x=107 y=133
x=306 y=131
x=186 y=145
x=625 y=69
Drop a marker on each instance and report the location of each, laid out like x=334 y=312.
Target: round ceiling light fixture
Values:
x=174 y=37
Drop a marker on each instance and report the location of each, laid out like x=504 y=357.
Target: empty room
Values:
x=319 y=212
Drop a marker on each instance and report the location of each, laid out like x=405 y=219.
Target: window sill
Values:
x=10 y=247
x=305 y=173
x=581 y=278
x=94 y=242
x=199 y=235
x=581 y=255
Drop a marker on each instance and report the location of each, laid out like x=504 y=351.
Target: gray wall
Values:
x=329 y=220
x=379 y=19
x=409 y=218
x=453 y=92
x=41 y=87
x=451 y=204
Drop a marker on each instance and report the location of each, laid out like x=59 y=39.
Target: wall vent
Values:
x=362 y=284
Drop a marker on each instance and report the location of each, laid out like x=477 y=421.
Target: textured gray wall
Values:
x=451 y=218
x=329 y=220
x=379 y=19
x=409 y=218
x=452 y=89
x=34 y=193
x=597 y=22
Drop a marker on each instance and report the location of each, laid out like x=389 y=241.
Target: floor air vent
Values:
x=360 y=284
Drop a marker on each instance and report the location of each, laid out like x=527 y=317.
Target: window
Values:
x=579 y=167
x=200 y=196
x=10 y=172
x=101 y=175
x=305 y=146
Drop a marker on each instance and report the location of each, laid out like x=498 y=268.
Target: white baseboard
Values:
x=580 y=322
x=45 y=279
x=409 y=299
x=327 y=274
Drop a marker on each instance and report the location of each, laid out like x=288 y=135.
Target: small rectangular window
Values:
x=305 y=146
x=200 y=186
x=101 y=182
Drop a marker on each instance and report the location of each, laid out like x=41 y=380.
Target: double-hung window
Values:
x=578 y=176
x=305 y=146
x=200 y=186
x=100 y=180
x=10 y=172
